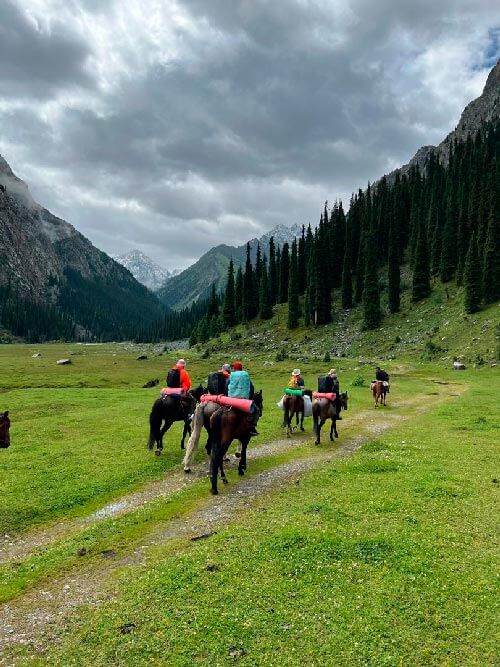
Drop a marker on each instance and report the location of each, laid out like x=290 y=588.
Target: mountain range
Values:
x=144 y=270
x=49 y=271
x=196 y=281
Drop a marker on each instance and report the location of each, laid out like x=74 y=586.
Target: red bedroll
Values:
x=172 y=391
x=243 y=404
x=320 y=394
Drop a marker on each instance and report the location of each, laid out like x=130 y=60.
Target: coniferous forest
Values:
x=441 y=223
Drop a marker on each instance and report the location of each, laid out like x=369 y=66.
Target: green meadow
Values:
x=388 y=556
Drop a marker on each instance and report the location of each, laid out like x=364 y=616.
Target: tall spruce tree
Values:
x=284 y=273
x=421 y=285
x=302 y=261
x=393 y=268
x=372 y=314
x=293 y=289
x=249 y=292
x=472 y=278
x=238 y=296
x=448 y=261
x=265 y=301
x=273 y=273
x=228 y=308
x=491 y=267
x=347 y=272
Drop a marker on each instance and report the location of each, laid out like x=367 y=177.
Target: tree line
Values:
x=441 y=223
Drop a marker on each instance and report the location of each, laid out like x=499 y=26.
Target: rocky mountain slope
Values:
x=144 y=270
x=45 y=261
x=482 y=110
x=196 y=281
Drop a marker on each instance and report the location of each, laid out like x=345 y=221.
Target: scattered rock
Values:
x=64 y=362
x=81 y=552
x=203 y=536
x=36 y=355
x=141 y=357
x=108 y=553
x=212 y=567
x=458 y=366
x=235 y=652
x=151 y=383
x=127 y=628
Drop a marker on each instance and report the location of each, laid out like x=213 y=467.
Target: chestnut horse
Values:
x=293 y=404
x=324 y=409
x=4 y=430
x=379 y=390
x=170 y=409
x=226 y=425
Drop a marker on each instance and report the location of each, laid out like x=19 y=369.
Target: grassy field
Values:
x=385 y=558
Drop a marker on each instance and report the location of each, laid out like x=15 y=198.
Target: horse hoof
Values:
x=214 y=492
x=336 y=435
x=302 y=429
x=187 y=470
x=182 y=446
x=237 y=454
x=224 y=480
x=241 y=472
x=317 y=442
x=158 y=452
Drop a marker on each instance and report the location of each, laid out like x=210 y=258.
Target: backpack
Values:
x=216 y=383
x=325 y=384
x=174 y=378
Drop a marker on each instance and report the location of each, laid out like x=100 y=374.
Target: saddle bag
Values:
x=325 y=384
x=174 y=378
x=216 y=383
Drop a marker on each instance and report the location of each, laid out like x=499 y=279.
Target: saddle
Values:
x=243 y=404
x=172 y=391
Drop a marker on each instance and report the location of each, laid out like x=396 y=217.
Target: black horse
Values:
x=4 y=430
x=226 y=425
x=170 y=409
x=324 y=409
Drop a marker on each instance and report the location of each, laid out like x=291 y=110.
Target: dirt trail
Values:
x=32 y=618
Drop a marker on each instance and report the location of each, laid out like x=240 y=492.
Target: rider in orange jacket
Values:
x=184 y=375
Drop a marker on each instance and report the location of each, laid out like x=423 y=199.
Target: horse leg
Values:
x=159 y=442
x=221 y=468
x=242 y=466
x=301 y=421
x=185 y=431
x=214 y=466
x=318 y=432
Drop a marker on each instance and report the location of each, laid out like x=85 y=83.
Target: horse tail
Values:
x=286 y=418
x=216 y=426
x=194 y=438
x=315 y=411
x=154 y=423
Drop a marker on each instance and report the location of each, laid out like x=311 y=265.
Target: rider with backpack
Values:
x=217 y=381
x=329 y=384
x=239 y=385
x=382 y=376
x=178 y=377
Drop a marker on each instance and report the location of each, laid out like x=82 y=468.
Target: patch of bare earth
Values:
x=32 y=618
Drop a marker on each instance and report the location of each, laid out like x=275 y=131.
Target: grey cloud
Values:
x=35 y=63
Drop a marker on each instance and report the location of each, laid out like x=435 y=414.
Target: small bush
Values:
x=358 y=381
x=281 y=355
x=327 y=358
x=206 y=354
x=235 y=335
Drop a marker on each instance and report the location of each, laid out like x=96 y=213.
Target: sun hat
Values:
x=181 y=362
x=226 y=367
x=237 y=366
x=332 y=371
x=296 y=372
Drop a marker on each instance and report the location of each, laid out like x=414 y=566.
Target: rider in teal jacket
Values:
x=239 y=385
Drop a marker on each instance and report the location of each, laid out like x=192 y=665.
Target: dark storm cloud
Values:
x=210 y=122
x=34 y=62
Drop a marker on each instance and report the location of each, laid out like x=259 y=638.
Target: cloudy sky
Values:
x=174 y=125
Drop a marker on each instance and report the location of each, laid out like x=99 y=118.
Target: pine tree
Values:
x=229 y=309
x=491 y=268
x=284 y=273
x=372 y=314
x=249 y=310
x=238 y=296
x=273 y=273
x=421 y=286
x=449 y=245
x=472 y=278
x=347 y=272
x=213 y=304
x=265 y=301
x=293 y=290
x=393 y=270
x=302 y=261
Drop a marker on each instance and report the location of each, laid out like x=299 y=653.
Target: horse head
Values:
x=4 y=430
x=259 y=401
x=198 y=392
x=343 y=400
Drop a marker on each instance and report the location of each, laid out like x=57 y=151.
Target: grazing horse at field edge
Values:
x=4 y=430
x=226 y=425
x=379 y=390
x=170 y=409
x=324 y=409
x=293 y=404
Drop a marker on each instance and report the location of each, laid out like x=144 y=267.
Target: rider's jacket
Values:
x=239 y=385
x=184 y=378
x=382 y=376
x=295 y=382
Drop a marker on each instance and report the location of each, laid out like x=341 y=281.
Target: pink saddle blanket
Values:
x=330 y=395
x=172 y=391
x=243 y=404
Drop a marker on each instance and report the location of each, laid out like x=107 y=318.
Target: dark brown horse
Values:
x=226 y=425
x=324 y=409
x=4 y=430
x=170 y=409
x=293 y=404
x=379 y=390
